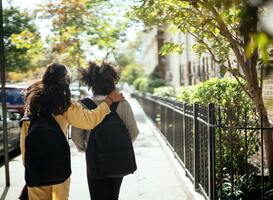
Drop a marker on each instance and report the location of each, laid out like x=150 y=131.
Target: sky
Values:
x=26 y=4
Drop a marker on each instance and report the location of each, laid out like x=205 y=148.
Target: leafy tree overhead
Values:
x=225 y=29
x=23 y=44
x=78 y=25
x=67 y=19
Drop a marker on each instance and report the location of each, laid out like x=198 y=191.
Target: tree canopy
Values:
x=77 y=26
x=23 y=45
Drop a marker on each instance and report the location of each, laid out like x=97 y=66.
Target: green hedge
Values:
x=148 y=83
x=223 y=92
x=164 y=91
x=234 y=104
x=141 y=84
x=130 y=73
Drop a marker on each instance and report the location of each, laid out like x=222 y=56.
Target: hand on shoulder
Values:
x=116 y=96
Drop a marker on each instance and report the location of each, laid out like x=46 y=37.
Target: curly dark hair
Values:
x=51 y=95
x=101 y=79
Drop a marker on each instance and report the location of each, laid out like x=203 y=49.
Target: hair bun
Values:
x=88 y=76
x=101 y=79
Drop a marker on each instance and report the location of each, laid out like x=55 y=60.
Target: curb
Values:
x=179 y=171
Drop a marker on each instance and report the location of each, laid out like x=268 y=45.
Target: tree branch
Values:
x=253 y=67
x=236 y=39
x=226 y=33
x=262 y=76
x=207 y=47
x=229 y=68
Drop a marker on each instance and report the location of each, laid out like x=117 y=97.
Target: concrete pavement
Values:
x=159 y=176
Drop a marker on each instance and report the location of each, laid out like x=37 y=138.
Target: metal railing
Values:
x=220 y=150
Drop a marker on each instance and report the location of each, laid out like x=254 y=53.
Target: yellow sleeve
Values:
x=24 y=130
x=80 y=117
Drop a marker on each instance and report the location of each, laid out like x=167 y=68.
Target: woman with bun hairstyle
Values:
x=51 y=97
x=102 y=81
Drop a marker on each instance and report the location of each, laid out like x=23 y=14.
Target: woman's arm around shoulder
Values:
x=80 y=117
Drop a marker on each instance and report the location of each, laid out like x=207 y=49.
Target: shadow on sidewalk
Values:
x=4 y=194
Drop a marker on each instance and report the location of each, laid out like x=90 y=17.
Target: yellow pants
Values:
x=50 y=192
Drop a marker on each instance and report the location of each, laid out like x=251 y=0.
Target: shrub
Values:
x=164 y=91
x=223 y=92
x=141 y=84
x=154 y=83
x=27 y=75
x=15 y=76
x=234 y=106
x=148 y=83
x=185 y=94
x=130 y=73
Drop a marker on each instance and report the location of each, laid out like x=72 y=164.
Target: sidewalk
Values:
x=158 y=175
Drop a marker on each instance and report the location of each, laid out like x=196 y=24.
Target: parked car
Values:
x=13 y=131
x=15 y=98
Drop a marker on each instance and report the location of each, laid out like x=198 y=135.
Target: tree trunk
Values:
x=161 y=58
x=267 y=134
x=249 y=24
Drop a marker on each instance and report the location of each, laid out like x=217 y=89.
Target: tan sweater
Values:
x=76 y=116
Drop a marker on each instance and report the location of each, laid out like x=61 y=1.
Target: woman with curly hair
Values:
x=51 y=98
x=102 y=81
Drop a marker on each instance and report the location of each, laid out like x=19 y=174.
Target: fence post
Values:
x=154 y=112
x=211 y=149
x=184 y=137
x=165 y=122
x=160 y=118
x=173 y=129
x=196 y=146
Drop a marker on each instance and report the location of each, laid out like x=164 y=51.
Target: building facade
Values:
x=188 y=68
x=149 y=46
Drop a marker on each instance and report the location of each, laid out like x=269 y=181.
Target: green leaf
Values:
x=223 y=70
x=170 y=47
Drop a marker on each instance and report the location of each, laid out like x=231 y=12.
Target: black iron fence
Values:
x=220 y=150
